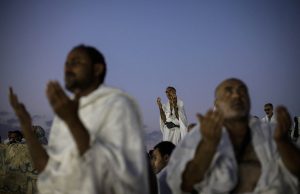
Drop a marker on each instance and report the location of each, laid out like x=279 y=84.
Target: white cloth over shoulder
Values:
x=115 y=162
x=221 y=177
x=174 y=134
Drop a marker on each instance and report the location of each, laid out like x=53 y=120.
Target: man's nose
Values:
x=236 y=94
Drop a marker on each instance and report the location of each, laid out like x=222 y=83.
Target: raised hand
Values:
x=20 y=110
x=284 y=123
x=62 y=105
x=211 y=127
x=211 y=130
x=159 y=102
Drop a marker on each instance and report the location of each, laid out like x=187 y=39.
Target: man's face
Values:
x=268 y=110
x=78 y=71
x=13 y=138
x=232 y=99
x=159 y=162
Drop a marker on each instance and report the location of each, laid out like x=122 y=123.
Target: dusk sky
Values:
x=192 y=45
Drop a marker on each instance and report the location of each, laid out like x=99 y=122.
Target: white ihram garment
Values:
x=174 y=134
x=115 y=162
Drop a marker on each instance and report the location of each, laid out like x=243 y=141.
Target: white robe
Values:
x=266 y=119
x=174 y=134
x=115 y=162
x=297 y=141
x=222 y=176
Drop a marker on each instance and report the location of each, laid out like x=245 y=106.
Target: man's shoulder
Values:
x=107 y=94
x=179 y=102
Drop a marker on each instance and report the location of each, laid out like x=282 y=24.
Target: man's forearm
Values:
x=162 y=115
x=197 y=167
x=37 y=152
x=80 y=135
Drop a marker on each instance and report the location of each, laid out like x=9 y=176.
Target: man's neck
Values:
x=270 y=116
x=80 y=93
x=237 y=130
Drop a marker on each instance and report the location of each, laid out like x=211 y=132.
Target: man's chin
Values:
x=236 y=116
x=70 y=88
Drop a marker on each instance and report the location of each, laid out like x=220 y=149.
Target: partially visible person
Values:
x=152 y=176
x=150 y=154
x=7 y=140
x=229 y=154
x=16 y=137
x=96 y=141
x=295 y=132
x=173 y=121
x=161 y=155
x=40 y=134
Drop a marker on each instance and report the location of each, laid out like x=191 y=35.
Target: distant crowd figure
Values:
x=269 y=117
x=14 y=137
x=173 y=121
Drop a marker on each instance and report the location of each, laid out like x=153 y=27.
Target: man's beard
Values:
x=72 y=83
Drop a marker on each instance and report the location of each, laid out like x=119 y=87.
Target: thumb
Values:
x=200 y=117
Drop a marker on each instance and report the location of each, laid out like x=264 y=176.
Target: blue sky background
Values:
x=148 y=45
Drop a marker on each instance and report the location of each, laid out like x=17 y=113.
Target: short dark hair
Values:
x=18 y=133
x=227 y=80
x=171 y=88
x=165 y=148
x=269 y=104
x=96 y=57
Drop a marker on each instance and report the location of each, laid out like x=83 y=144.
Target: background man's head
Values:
x=268 y=108
x=85 y=67
x=232 y=99
x=171 y=93
x=161 y=155
x=15 y=137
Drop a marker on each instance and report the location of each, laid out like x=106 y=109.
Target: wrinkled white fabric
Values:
x=174 y=134
x=272 y=120
x=115 y=162
x=221 y=176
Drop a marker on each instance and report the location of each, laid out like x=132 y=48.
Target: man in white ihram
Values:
x=96 y=143
x=225 y=154
x=173 y=122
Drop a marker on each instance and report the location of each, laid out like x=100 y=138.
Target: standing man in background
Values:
x=270 y=117
x=173 y=122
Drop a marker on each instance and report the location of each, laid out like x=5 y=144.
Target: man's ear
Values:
x=215 y=107
x=98 y=69
x=166 y=158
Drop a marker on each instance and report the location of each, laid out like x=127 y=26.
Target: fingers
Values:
x=55 y=93
x=13 y=99
x=158 y=101
x=284 y=121
x=213 y=120
x=20 y=110
x=211 y=126
x=200 y=117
